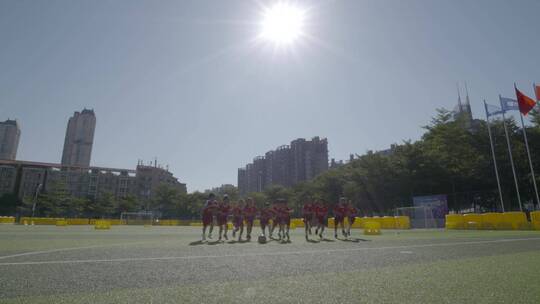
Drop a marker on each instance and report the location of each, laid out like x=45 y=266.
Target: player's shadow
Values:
x=238 y=241
x=354 y=240
x=214 y=242
x=199 y=242
x=312 y=241
x=327 y=240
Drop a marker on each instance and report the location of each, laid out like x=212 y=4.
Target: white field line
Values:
x=67 y=249
x=267 y=253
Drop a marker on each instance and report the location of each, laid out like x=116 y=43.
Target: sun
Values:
x=282 y=24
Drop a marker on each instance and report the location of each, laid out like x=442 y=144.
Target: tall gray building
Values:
x=288 y=165
x=10 y=134
x=79 y=139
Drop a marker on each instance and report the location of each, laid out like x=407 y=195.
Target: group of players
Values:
x=272 y=216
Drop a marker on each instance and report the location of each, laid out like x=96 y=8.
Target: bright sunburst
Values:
x=282 y=23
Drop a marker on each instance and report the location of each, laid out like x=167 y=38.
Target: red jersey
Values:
x=308 y=209
x=285 y=212
x=209 y=208
x=275 y=211
x=340 y=211
x=351 y=211
x=236 y=211
x=267 y=213
x=321 y=210
x=224 y=210
x=250 y=211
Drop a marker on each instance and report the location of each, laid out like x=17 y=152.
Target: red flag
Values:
x=525 y=103
x=537 y=91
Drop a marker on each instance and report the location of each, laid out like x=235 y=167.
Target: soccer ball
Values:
x=262 y=239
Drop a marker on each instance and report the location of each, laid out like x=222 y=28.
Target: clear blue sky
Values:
x=184 y=81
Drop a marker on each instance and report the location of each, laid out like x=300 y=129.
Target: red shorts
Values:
x=222 y=220
x=308 y=218
x=250 y=219
x=207 y=219
x=264 y=221
x=339 y=219
x=285 y=220
x=322 y=220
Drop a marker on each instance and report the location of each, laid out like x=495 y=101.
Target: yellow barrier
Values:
x=78 y=221
x=517 y=220
x=491 y=220
x=388 y=222
x=169 y=222
x=331 y=222
x=102 y=224
x=298 y=222
x=40 y=220
x=472 y=221
x=535 y=220
x=402 y=222
x=372 y=228
x=454 y=221
x=7 y=220
x=111 y=221
x=361 y=221
x=61 y=223
x=196 y=224
x=357 y=222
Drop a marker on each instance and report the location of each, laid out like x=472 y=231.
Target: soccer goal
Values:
x=420 y=216
x=137 y=218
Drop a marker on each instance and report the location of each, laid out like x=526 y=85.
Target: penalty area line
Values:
x=283 y=253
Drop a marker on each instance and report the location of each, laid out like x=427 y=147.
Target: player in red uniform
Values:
x=249 y=212
x=307 y=214
x=208 y=215
x=238 y=219
x=321 y=213
x=284 y=220
x=275 y=218
x=352 y=212
x=223 y=213
x=340 y=211
x=265 y=216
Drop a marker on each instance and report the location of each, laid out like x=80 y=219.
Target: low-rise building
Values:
x=25 y=179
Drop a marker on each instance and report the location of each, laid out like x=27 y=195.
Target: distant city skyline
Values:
x=185 y=82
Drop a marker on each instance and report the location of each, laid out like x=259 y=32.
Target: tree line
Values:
x=452 y=157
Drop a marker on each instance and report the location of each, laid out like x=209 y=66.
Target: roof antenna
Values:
x=459 y=97
x=467 y=92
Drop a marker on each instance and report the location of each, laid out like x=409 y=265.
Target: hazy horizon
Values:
x=187 y=82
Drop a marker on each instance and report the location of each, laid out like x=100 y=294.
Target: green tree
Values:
x=8 y=204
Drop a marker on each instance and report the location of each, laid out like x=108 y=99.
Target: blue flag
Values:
x=493 y=110
x=509 y=104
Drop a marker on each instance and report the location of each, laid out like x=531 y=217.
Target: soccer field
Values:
x=135 y=264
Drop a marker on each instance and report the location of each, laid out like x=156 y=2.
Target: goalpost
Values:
x=137 y=218
x=420 y=216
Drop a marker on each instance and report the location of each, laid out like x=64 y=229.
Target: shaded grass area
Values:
x=494 y=279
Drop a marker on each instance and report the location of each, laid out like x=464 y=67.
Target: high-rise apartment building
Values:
x=10 y=134
x=79 y=139
x=288 y=165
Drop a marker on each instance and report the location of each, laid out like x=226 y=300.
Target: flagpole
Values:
x=510 y=153
x=494 y=159
x=530 y=160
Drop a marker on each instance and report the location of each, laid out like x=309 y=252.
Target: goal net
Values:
x=137 y=218
x=420 y=216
